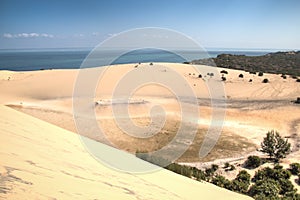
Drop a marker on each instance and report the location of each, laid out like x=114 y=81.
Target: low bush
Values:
x=265 y=80
x=260 y=74
x=253 y=162
x=224 y=72
x=295 y=168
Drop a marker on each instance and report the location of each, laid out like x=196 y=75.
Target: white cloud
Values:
x=95 y=34
x=8 y=35
x=27 y=35
x=46 y=35
x=78 y=35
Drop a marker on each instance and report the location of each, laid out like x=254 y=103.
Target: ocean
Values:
x=41 y=59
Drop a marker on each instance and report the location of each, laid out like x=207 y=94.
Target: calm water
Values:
x=24 y=60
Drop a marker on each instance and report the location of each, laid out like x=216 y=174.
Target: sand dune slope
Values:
x=41 y=161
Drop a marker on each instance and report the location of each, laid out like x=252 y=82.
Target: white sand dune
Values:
x=41 y=161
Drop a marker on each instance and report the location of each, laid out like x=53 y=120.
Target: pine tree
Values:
x=275 y=146
x=269 y=143
x=283 y=147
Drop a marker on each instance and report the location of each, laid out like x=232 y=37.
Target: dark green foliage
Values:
x=210 y=74
x=243 y=176
x=210 y=171
x=214 y=167
x=201 y=176
x=224 y=72
x=250 y=80
x=289 y=62
x=284 y=76
x=226 y=165
x=241 y=76
x=268 y=144
x=268 y=173
x=224 y=78
x=265 y=80
x=268 y=188
x=180 y=169
x=291 y=196
x=232 y=167
x=260 y=74
x=242 y=182
x=191 y=172
x=253 y=162
x=295 y=168
x=275 y=146
x=298 y=80
x=199 y=76
x=286 y=186
x=278 y=175
x=221 y=181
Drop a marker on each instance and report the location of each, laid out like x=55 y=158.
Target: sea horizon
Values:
x=31 y=59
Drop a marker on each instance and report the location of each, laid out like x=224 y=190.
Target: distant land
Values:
x=276 y=63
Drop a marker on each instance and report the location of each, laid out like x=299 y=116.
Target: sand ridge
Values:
x=252 y=109
x=40 y=160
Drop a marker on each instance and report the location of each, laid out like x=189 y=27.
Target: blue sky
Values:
x=268 y=24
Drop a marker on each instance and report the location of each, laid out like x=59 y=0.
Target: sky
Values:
x=258 y=24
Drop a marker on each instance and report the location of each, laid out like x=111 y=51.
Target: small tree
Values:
x=283 y=147
x=268 y=144
x=275 y=146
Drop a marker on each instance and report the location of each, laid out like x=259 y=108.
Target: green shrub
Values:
x=242 y=182
x=265 y=80
x=210 y=171
x=226 y=165
x=253 y=162
x=224 y=72
x=286 y=186
x=295 y=168
x=268 y=173
x=260 y=74
x=267 y=188
x=221 y=181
